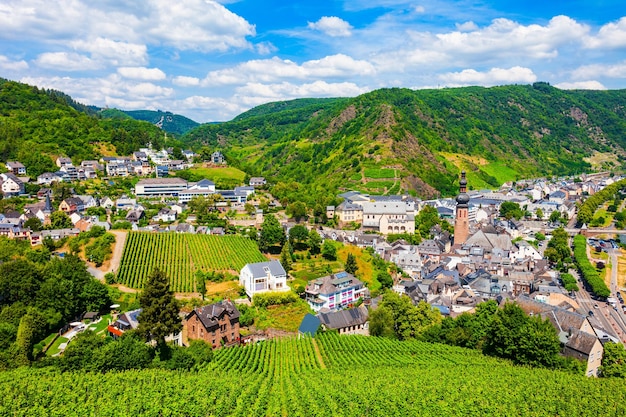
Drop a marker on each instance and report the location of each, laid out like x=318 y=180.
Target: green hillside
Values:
x=333 y=375
x=169 y=122
x=38 y=125
x=496 y=134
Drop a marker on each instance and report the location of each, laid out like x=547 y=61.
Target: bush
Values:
x=274 y=298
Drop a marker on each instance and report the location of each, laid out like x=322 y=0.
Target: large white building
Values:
x=263 y=277
x=389 y=216
x=334 y=292
x=150 y=187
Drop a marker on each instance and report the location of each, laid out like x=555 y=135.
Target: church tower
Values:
x=461 y=222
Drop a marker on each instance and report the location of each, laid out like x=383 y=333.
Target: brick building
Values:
x=216 y=324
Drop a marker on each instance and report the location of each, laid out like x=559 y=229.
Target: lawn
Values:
x=600 y=214
x=54 y=349
x=621 y=269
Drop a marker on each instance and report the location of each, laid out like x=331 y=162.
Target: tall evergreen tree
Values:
x=285 y=256
x=159 y=316
x=351 y=266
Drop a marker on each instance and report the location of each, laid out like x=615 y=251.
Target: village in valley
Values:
x=481 y=245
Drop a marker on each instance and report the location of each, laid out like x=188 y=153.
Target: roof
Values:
x=344 y=318
x=582 y=342
x=258 y=269
x=329 y=284
x=211 y=314
x=309 y=325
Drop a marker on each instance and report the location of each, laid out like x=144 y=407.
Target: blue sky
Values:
x=212 y=60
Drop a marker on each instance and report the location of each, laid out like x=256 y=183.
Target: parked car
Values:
x=591 y=312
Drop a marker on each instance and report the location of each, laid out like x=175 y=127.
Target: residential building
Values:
x=216 y=324
x=48 y=178
x=263 y=277
x=63 y=161
x=11 y=185
x=257 y=181
x=334 y=292
x=392 y=216
x=16 y=168
x=72 y=205
x=349 y=213
x=217 y=158
x=349 y=321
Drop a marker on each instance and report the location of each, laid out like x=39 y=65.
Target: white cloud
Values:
x=592 y=71
x=257 y=93
x=506 y=37
x=202 y=25
x=66 y=61
x=141 y=73
x=494 y=76
x=184 y=81
x=265 y=48
x=420 y=9
x=466 y=26
x=581 y=85
x=275 y=69
x=114 y=52
x=332 y=26
x=612 y=35
x=9 y=65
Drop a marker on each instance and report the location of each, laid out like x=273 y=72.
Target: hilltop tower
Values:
x=461 y=222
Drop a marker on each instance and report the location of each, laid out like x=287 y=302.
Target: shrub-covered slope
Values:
x=427 y=136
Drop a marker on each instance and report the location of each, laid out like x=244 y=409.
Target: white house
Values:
x=11 y=185
x=334 y=292
x=263 y=277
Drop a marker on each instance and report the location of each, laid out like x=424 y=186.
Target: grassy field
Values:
x=219 y=174
x=500 y=171
x=282 y=317
x=601 y=212
x=621 y=269
x=378 y=173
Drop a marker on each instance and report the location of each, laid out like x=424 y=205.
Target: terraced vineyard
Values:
x=333 y=375
x=180 y=255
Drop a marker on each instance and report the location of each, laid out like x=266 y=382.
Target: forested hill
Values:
x=169 y=122
x=38 y=125
x=394 y=140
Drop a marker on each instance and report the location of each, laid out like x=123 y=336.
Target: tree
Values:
x=201 y=283
x=298 y=234
x=34 y=224
x=540 y=237
x=329 y=251
x=315 y=242
x=60 y=220
x=511 y=210
x=613 y=361
x=524 y=340
x=539 y=213
x=297 y=210
x=272 y=233
x=555 y=216
x=381 y=323
x=285 y=256
x=351 y=266
x=409 y=321
x=385 y=279
x=159 y=316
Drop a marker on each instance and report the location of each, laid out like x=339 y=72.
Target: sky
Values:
x=212 y=60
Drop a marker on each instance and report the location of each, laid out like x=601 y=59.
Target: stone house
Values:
x=217 y=324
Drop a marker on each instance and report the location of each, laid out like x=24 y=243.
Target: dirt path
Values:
x=120 y=240
x=318 y=354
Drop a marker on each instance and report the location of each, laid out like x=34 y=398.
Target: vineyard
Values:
x=180 y=255
x=330 y=375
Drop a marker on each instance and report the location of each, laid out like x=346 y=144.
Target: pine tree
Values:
x=159 y=316
x=285 y=256
x=351 y=266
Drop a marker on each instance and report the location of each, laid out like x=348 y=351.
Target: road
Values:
x=606 y=317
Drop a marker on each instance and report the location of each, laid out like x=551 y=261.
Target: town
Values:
x=482 y=245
